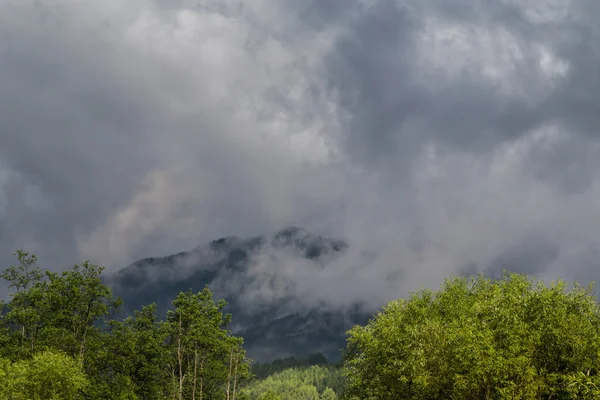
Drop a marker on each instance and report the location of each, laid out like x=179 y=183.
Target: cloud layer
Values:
x=436 y=137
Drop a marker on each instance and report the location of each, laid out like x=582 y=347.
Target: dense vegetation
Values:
x=476 y=338
x=480 y=339
x=58 y=341
x=308 y=383
x=263 y=370
x=272 y=328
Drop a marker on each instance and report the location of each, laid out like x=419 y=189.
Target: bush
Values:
x=47 y=376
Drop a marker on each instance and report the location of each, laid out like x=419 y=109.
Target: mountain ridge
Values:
x=238 y=270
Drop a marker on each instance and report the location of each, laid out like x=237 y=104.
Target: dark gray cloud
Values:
x=431 y=135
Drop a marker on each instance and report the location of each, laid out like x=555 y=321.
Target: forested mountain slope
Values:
x=275 y=324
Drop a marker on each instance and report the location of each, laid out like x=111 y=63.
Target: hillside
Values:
x=276 y=324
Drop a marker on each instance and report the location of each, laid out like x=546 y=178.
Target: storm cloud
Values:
x=435 y=137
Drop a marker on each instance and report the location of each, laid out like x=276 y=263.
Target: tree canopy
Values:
x=47 y=375
x=309 y=383
x=480 y=339
x=59 y=340
x=474 y=338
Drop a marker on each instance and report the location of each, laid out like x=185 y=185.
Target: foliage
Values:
x=130 y=359
x=473 y=339
x=58 y=342
x=480 y=339
x=310 y=383
x=262 y=370
x=22 y=313
x=204 y=354
x=49 y=375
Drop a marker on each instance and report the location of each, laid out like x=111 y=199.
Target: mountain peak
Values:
x=227 y=241
x=226 y=265
x=292 y=231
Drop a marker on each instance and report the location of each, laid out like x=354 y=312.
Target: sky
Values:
x=436 y=137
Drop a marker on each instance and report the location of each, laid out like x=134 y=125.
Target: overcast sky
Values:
x=442 y=136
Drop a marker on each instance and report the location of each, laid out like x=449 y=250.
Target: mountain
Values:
x=256 y=277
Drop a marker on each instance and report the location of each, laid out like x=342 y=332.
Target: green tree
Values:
x=583 y=386
x=55 y=318
x=269 y=395
x=207 y=360
x=24 y=309
x=239 y=371
x=307 y=383
x=56 y=311
x=328 y=394
x=25 y=275
x=478 y=339
x=47 y=376
x=130 y=359
x=77 y=301
x=262 y=370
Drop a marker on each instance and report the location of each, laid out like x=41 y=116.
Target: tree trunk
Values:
x=229 y=374
x=201 y=379
x=180 y=360
x=195 y=373
x=237 y=360
x=82 y=345
x=85 y=329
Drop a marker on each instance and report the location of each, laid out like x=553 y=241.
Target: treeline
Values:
x=308 y=383
x=475 y=338
x=58 y=340
x=263 y=370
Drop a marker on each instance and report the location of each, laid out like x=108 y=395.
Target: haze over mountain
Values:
x=435 y=137
x=235 y=268
x=257 y=276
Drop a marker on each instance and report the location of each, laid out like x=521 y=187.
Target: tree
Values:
x=61 y=318
x=262 y=370
x=308 y=383
x=144 y=335
x=25 y=275
x=328 y=394
x=206 y=358
x=478 y=339
x=239 y=368
x=77 y=299
x=130 y=359
x=47 y=376
x=24 y=309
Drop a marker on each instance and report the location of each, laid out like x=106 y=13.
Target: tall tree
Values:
x=25 y=310
x=238 y=369
x=135 y=348
x=63 y=316
x=25 y=275
x=207 y=359
x=77 y=301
